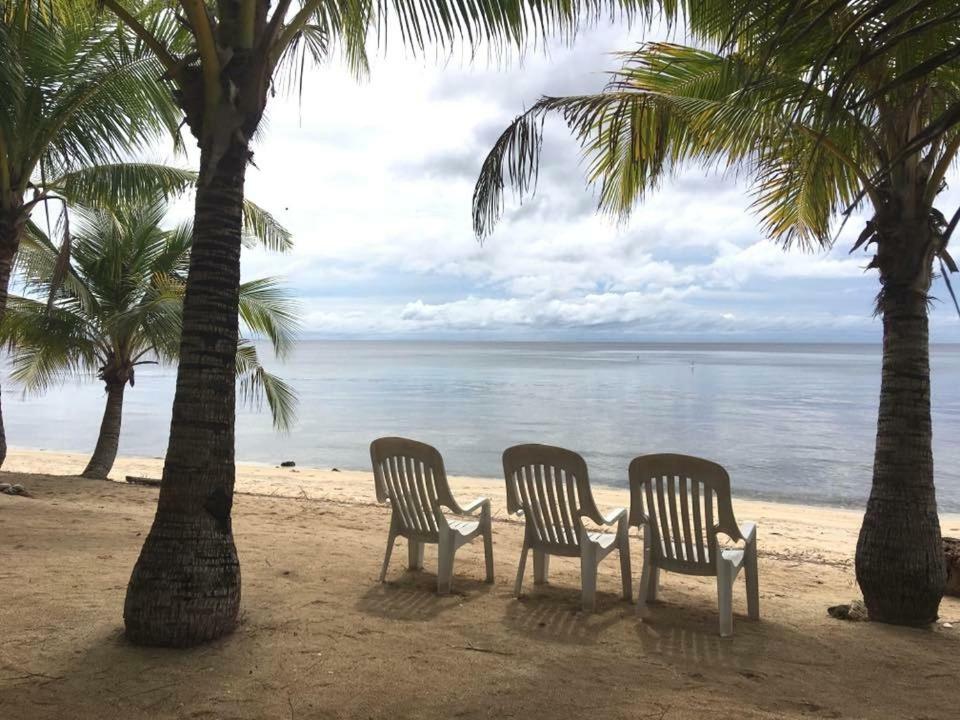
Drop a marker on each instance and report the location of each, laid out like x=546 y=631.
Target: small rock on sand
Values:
x=15 y=490
x=855 y=611
x=288 y=463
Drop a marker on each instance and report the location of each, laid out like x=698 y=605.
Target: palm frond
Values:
x=46 y=346
x=36 y=263
x=502 y=26
x=261 y=228
x=113 y=184
x=268 y=310
x=86 y=93
x=670 y=106
x=257 y=385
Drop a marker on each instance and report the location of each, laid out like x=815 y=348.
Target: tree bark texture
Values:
x=185 y=587
x=101 y=462
x=899 y=560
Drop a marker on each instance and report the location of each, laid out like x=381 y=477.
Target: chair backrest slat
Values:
x=564 y=503
x=675 y=497
x=550 y=498
x=398 y=494
x=550 y=485
x=411 y=476
x=649 y=512
x=664 y=521
x=410 y=493
x=696 y=490
x=420 y=476
x=430 y=484
x=674 y=522
x=539 y=492
x=685 y=516
x=530 y=502
x=711 y=536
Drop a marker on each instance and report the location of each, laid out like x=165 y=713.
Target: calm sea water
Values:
x=790 y=422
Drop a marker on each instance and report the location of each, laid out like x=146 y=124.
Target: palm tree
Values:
x=222 y=61
x=120 y=307
x=812 y=156
x=75 y=97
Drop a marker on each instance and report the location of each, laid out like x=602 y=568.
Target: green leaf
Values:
x=257 y=385
x=117 y=183
x=260 y=227
x=268 y=310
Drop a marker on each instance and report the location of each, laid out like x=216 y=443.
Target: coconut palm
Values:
x=120 y=307
x=75 y=97
x=222 y=60
x=813 y=157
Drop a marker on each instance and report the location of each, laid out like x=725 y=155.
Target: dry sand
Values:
x=320 y=638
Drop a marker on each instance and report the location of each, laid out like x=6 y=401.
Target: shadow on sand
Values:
x=555 y=615
x=413 y=596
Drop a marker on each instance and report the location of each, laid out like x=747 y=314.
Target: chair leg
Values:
x=488 y=549
x=391 y=538
x=725 y=597
x=541 y=567
x=446 y=550
x=415 y=555
x=650 y=577
x=518 y=586
x=588 y=576
x=647 y=591
x=626 y=575
x=753 y=582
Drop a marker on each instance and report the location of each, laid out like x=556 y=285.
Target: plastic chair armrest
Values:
x=474 y=505
x=614 y=516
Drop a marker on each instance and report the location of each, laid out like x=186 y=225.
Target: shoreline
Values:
x=255 y=473
x=789 y=530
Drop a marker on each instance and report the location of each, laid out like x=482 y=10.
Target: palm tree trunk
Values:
x=109 y=439
x=185 y=587
x=11 y=223
x=899 y=561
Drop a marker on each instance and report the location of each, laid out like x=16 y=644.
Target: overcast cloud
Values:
x=375 y=181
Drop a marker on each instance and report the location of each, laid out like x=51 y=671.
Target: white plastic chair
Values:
x=550 y=487
x=410 y=476
x=675 y=499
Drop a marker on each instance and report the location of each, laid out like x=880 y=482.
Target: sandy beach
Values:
x=320 y=638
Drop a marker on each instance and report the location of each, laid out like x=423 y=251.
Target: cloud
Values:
x=375 y=180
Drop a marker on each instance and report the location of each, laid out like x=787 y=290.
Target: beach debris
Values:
x=947 y=625
x=16 y=489
x=288 y=463
x=951 y=549
x=474 y=648
x=335 y=470
x=855 y=611
x=136 y=480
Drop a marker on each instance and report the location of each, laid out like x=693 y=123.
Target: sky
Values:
x=374 y=178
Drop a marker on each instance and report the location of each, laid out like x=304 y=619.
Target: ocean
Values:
x=790 y=422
